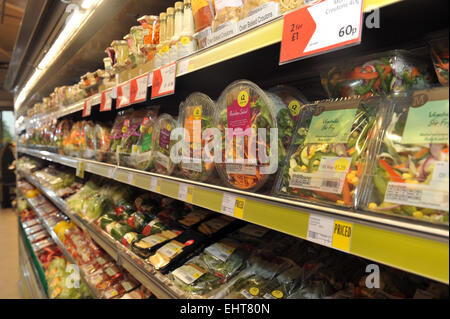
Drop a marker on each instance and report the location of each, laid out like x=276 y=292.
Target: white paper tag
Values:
x=320 y=229
x=182 y=192
x=228 y=204
x=163 y=160
x=419 y=195
x=258 y=16
x=440 y=174
x=220 y=250
x=183 y=67
x=154 y=184
x=319 y=181
x=224 y=31
x=241 y=169
x=130 y=178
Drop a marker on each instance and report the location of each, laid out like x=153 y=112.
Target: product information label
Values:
x=221 y=250
x=171 y=249
x=241 y=169
x=258 y=16
x=164 y=138
x=331 y=126
x=106 y=101
x=321 y=27
x=427 y=123
x=162 y=160
x=320 y=229
x=233 y=206
x=154 y=185
x=440 y=177
x=189 y=273
x=191 y=164
x=87 y=107
x=419 y=195
x=154 y=240
x=239 y=112
x=223 y=32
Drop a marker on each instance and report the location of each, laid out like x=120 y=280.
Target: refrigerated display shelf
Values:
x=158 y=284
x=251 y=40
x=411 y=246
x=61 y=246
x=31 y=286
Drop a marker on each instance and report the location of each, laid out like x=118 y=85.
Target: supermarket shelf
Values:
x=31 y=287
x=254 y=39
x=58 y=242
x=151 y=279
x=411 y=246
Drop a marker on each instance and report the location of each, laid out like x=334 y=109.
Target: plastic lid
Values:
x=187 y=1
x=179 y=5
x=170 y=11
x=162 y=16
x=198 y=106
x=240 y=106
x=161 y=144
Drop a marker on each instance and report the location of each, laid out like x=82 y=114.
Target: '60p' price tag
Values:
x=321 y=27
x=164 y=80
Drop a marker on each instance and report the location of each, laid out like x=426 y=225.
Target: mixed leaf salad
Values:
x=383 y=73
x=162 y=144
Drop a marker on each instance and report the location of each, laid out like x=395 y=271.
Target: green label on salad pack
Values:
x=147 y=140
x=427 y=123
x=331 y=126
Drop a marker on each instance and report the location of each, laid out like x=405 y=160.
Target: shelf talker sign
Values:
x=106 y=101
x=87 y=107
x=321 y=27
x=138 y=89
x=123 y=95
x=164 y=80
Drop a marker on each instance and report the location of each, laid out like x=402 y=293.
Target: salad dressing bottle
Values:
x=162 y=38
x=186 y=45
x=165 y=55
x=178 y=24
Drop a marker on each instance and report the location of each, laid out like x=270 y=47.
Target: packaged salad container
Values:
x=328 y=155
x=409 y=176
x=162 y=144
x=115 y=137
x=87 y=143
x=141 y=153
x=196 y=115
x=131 y=133
x=101 y=142
x=246 y=117
x=62 y=135
x=381 y=73
x=439 y=55
x=226 y=11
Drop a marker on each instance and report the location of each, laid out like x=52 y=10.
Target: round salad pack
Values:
x=162 y=144
x=243 y=106
x=377 y=74
x=115 y=137
x=101 y=142
x=196 y=115
x=62 y=135
x=329 y=151
x=409 y=176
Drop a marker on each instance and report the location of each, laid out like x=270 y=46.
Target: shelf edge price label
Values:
x=87 y=107
x=320 y=229
x=321 y=27
x=155 y=186
x=123 y=95
x=138 y=89
x=106 y=101
x=342 y=235
x=130 y=178
x=80 y=169
x=239 y=208
x=182 y=192
x=164 y=80
x=228 y=204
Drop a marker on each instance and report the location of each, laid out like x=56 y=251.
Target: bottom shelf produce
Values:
x=201 y=254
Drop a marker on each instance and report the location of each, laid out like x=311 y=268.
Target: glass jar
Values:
x=165 y=57
x=187 y=45
x=178 y=28
x=162 y=38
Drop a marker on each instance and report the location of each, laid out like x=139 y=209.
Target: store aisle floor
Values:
x=9 y=255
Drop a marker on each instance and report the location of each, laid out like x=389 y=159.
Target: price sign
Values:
x=330 y=232
x=106 y=101
x=182 y=192
x=342 y=235
x=131 y=178
x=190 y=194
x=80 y=169
x=321 y=27
x=164 y=80
x=239 y=208
x=183 y=66
x=87 y=107
x=138 y=89
x=123 y=95
x=154 y=185
x=233 y=206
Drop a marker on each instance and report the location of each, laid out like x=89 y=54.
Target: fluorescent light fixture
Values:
x=87 y=4
x=69 y=31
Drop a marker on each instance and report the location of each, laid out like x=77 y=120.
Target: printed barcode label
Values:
x=320 y=229
x=246 y=294
x=192 y=166
x=268 y=296
x=321 y=181
x=425 y=196
x=313 y=235
x=241 y=169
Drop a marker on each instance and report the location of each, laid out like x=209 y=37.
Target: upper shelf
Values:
x=411 y=246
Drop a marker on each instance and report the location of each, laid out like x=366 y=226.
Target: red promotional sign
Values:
x=164 y=80
x=106 y=101
x=321 y=27
x=138 y=89
x=123 y=95
x=87 y=107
